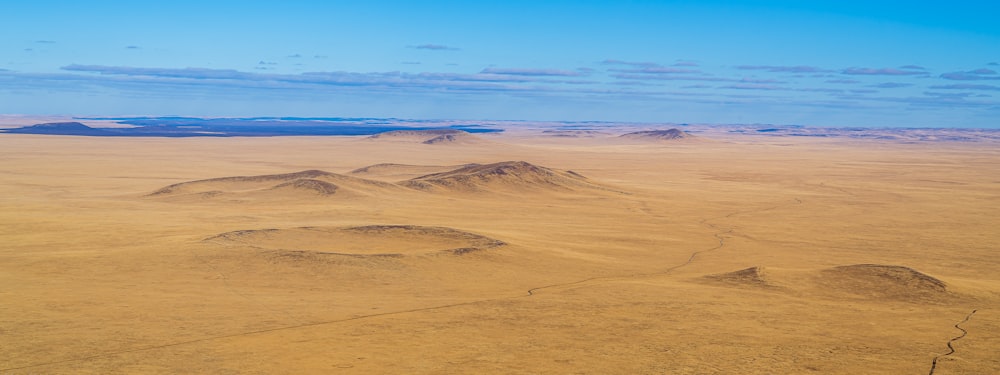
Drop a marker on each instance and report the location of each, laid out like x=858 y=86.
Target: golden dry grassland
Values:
x=520 y=252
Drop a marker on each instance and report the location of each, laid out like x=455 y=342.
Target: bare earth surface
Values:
x=519 y=252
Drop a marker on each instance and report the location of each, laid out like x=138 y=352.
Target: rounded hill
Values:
x=503 y=176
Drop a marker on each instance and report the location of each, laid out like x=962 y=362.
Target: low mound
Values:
x=461 y=138
x=883 y=281
x=516 y=175
x=429 y=137
x=372 y=240
x=288 y=185
x=427 y=134
x=238 y=181
x=753 y=276
x=658 y=135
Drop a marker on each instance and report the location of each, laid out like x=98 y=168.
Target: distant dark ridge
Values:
x=228 y=127
x=668 y=134
x=444 y=138
x=457 y=138
x=418 y=133
x=59 y=128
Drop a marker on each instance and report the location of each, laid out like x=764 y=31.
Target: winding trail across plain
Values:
x=951 y=349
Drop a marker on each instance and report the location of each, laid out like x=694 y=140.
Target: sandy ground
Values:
x=727 y=255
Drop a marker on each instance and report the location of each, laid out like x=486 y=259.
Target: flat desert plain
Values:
x=518 y=252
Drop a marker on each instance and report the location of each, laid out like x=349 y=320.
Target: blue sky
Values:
x=843 y=63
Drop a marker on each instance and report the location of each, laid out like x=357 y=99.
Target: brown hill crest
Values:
x=287 y=185
x=753 y=276
x=508 y=175
x=883 y=282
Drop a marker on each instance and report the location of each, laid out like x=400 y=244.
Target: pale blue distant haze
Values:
x=838 y=63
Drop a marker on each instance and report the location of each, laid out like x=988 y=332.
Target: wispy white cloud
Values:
x=418 y=81
x=955 y=94
x=656 y=70
x=821 y=89
x=436 y=47
x=751 y=86
x=760 y=80
x=191 y=73
x=966 y=86
x=769 y=85
x=629 y=63
x=882 y=71
x=663 y=77
x=633 y=67
x=972 y=75
x=532 y=72
x=891 y=85
x=945 y=100
x=631 y=83
x=783 y=69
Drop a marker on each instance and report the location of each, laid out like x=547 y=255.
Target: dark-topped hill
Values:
x=416 y=133
x=430 y=136
x=503 y=176
x=658 y=135
x=60 y=128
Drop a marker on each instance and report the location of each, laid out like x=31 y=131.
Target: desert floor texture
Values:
x=519 y=252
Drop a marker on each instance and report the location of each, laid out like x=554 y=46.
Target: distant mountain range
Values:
x=237 y=127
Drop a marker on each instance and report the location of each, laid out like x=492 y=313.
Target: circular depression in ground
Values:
x=362 y=240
